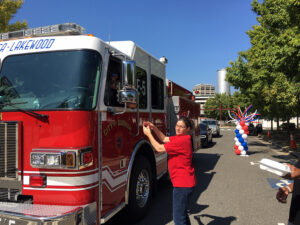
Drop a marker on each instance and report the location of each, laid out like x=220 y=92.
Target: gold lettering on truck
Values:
x=119 y=123
x=123 y=123
x=109 y=127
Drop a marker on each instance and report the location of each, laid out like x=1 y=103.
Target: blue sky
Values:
x=198 y=37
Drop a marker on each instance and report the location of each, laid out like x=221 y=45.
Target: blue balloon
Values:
x=241 y=140
x=236 y=131
x=244 y=144
x=246 y=148
x=238 y=135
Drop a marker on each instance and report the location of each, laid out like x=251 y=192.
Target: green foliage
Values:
x=8 y=8
x=213 y=105
x=226 y=103
x=269 y=72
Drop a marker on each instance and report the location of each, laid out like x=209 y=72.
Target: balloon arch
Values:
x=241 y=120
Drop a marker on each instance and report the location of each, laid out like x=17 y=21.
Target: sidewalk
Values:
x=280 y=140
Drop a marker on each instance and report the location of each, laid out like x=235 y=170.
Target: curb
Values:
x=294 y=154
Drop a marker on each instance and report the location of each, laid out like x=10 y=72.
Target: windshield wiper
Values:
x=28 y=112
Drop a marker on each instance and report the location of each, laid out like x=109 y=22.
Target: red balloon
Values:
x=242 y=123
x=247 y=132
x=236 y=147
x=245 y=127
x=237 y=152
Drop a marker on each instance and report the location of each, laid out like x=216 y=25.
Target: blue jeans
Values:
x=181 y=197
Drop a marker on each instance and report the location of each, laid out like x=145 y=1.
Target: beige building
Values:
x=203 y=92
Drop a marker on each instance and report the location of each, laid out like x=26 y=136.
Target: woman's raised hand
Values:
x=146 y=130
x=148 y=124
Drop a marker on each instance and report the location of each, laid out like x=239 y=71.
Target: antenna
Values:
x=109 y=31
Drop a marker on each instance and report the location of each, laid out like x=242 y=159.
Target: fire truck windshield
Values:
x=50 y=81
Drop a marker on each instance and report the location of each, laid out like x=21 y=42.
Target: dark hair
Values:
x=188 y=123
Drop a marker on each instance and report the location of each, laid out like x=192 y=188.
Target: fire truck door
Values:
x=118 y=139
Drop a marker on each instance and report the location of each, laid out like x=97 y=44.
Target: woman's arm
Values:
x=158 y=147
x=295 y=172
x=163 y=138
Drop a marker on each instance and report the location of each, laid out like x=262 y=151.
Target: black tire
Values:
x=140 y=190
x=206 y=142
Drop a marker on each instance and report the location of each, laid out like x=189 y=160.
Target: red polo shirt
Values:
x=180 y=156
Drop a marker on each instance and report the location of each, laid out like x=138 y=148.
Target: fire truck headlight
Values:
x=37 y=159
x=52 y=159
x=64 y=158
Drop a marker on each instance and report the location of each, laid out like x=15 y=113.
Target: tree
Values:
x=269 y=72
x=8 y=8
x=213 y=106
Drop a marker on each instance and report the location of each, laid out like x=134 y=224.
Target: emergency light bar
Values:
x=58 y=29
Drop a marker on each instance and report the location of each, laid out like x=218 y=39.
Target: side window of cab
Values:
x=157 y=92
x=141 y=78
x=113 y=82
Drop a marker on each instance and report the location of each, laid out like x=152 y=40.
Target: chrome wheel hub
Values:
x=142 y=188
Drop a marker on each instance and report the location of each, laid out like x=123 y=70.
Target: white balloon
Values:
x=237 y=123
x=236 y=139
x=238 y=127
x=237 y=143
x=241 y=131
x=244 y=136
x=243 y=152
x=241 y=148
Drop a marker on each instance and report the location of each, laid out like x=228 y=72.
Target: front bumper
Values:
x=29 y=214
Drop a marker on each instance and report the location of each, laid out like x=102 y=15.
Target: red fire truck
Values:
x=72 y=150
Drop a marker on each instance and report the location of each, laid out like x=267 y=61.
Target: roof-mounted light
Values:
x=58 y=29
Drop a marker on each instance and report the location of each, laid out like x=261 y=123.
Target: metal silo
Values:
x=223 y=85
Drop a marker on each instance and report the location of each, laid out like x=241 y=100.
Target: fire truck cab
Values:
x=72 y=149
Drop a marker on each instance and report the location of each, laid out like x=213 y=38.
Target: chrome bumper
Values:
x=29 y=214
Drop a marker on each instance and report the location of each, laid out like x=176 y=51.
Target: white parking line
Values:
x=280 y=223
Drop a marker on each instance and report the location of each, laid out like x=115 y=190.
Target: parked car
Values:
x=287 y=126
x=259 y=128
x=206 y=135
x=214 y=125
x=252 y=130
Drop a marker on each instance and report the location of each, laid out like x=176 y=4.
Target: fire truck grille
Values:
x=8 y=149
x=8 y=194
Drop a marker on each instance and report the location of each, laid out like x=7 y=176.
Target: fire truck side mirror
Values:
x=129 y=73
x=128 y=93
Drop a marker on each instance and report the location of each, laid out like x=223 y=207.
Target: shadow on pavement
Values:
x=284 y=159
x=211 y=145
x=160 y=211
x=218 y=136
x=216 y=219
x=249 y=152
x=203 y=163
x=256 y=143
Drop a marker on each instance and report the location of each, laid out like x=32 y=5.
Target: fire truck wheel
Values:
x=141 y=185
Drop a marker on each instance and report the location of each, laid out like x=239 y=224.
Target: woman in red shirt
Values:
x=182 y=172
